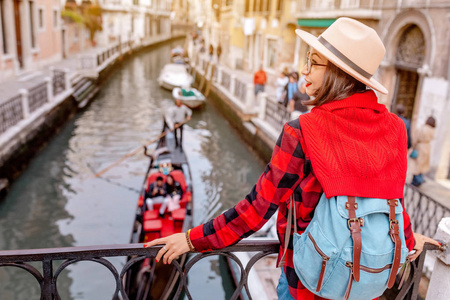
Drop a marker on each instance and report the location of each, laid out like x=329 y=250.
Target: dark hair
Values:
x=431 y=121
x=336 y=85
x=159 y=178
x=400 y=109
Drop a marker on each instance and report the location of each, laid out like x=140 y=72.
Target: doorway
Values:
x=409 y=58
x=18 y=33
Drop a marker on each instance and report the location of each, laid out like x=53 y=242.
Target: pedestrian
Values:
x=296 y=106
x=400 y=112
x=347 y=145
x=280 y=84
x=259 y=80
x=211 y=52
x=176 y=116
x=421 y=164
x=290 y=88
x=219 y=53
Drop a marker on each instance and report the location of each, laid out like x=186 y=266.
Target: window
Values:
x=55 y=18
x=3 y=25
x=32 y=20
x=268 y=5
x=271 y=53
x=278 y=5
x=41 y=18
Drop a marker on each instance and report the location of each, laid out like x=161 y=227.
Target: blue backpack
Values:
x=352 y=249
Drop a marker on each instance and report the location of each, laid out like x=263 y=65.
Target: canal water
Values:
x=57 y=202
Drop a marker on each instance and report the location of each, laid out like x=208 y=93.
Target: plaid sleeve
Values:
x=274 y=186
x=409 y=237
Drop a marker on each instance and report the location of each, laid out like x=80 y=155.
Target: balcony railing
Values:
x=48 y=279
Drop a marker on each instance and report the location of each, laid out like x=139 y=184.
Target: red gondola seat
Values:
x=153 y=226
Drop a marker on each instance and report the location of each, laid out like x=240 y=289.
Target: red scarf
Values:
x=356 y=147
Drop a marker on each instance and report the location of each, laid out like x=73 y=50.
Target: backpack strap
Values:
x=394 y=233
x=354 y=224
x=287 y=235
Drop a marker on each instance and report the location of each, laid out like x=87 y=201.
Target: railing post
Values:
x=47 y=288
x=67 y=84
x=232 y=83
x=25 y=104
x=219 y=74
x=250 y=97
x=49 y=83
x=439 y=287
x=262 y=102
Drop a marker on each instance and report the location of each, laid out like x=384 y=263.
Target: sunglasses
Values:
x=310 y=64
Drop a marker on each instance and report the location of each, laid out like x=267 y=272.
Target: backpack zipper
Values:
x=325 y=258
x=369 y=270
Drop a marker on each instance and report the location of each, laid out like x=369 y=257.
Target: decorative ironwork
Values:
x=411 y=48
x=59 y=82
x=48 y=280
x=226 y=80
x=276 y=114
x=425 y=212
x=37 y=96
x=240 y=90
x=88 y=62
x=10 y=113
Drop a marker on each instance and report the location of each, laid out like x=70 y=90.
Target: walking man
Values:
x=259 y=80
x=176 y=115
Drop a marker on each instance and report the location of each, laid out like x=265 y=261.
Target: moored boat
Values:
x=190 y=97
x=174 y=75
x=148 y=279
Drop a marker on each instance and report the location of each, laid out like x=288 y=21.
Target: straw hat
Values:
x=351 y=46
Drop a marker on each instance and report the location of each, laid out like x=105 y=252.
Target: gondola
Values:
x=148 y=279
x=191 y=97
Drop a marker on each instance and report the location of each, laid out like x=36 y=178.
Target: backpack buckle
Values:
x=392 y=222
x=352 y=220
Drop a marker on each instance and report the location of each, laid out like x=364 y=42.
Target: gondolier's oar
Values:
x=135 y=151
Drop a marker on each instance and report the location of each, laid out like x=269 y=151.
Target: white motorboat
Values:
x=190 y=97
x=174 y=75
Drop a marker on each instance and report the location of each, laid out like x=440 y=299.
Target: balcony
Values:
x=332 y=9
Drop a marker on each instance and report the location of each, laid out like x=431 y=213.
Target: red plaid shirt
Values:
x=285 y=172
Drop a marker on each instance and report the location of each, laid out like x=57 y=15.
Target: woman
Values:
x=421 y=164
x=347 y=132
x=174 y=193
x=280 y=84
x=291 y=88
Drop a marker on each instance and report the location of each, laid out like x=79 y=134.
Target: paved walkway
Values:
x=11 y=86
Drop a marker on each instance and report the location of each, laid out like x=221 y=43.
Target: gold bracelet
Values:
x=189 y=242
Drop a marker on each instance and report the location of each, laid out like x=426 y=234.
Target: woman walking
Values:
x=421 y=164
x=347 y=145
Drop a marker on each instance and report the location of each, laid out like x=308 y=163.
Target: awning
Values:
x=315 y=22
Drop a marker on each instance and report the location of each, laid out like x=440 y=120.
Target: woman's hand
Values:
x=420 y=241
x=174 y=246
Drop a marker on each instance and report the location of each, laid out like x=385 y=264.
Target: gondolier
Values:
x=176 y=115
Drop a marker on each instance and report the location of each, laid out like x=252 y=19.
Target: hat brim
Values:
x=314 y=43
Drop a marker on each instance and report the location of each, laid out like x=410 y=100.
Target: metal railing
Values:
x=37 y=96
x=48 y=279
x=276 y=114
x=226 y=80
x=425 y=212
x=59 y=82
x=10 y=113
x=240 y=90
